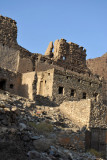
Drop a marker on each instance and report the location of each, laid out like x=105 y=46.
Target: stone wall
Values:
x=10 y=81
x=8 y=31
x=98 y=115
x=25 y=65
x=45 y=83
x=68 y=55
x=77 y=111
x=27 y=89
x=71 y=86
x=9 y=58
x=99 y=66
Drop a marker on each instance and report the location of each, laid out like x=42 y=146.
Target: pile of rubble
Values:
x=30 y=132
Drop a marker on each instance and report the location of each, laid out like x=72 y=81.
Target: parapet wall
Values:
x=8 y=31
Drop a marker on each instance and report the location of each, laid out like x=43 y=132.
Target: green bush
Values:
x=42 y=127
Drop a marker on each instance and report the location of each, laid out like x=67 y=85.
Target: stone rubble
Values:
x=30 y=132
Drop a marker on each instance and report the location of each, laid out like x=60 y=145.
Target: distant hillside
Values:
x=98 y=65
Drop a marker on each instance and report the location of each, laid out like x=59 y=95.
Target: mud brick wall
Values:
x=45 y=83
x=72 y=86
x=26 y=89
x=8 y=31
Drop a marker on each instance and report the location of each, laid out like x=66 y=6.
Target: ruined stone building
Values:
x=59 y=75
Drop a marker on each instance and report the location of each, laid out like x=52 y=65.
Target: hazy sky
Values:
x=40 y=21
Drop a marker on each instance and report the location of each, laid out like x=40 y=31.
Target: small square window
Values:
x=11 y=86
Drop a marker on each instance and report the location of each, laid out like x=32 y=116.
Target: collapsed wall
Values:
x=69 y=55
x=13 y=56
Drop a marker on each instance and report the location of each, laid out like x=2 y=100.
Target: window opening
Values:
x=60 y=91
x=72 y=92
x=96 y=96
x=11 y=86
x=90 y=84
x=78 y=80
x=84 y=95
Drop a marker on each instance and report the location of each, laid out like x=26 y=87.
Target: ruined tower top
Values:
x=8 y=31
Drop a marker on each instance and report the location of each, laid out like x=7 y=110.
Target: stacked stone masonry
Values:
x=62 y=75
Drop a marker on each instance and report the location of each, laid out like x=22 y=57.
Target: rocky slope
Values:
x=30 y=132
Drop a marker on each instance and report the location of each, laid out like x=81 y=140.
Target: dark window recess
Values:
x=11 y=86
x=96 y=96
x=90 y=84
x=45 y=81
x=84 y=95
x=48 y=74
x=60 y=91
x=72 y=92
x=3 y=84
x=78 y=80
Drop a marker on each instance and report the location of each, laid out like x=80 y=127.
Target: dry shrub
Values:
x=42 y=127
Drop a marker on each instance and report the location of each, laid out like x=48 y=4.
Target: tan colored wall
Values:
x=9 y=58
x=25 y=65
x=78 y=111
x=10 y=79
x=27 y=85
x=45 y=83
